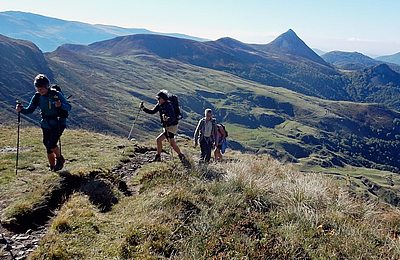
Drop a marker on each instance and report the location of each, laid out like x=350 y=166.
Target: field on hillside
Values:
x=113 y=202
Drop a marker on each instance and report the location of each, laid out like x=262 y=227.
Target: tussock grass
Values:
x=251 y=207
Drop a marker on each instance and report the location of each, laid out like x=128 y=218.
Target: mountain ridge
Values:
x=48 y=33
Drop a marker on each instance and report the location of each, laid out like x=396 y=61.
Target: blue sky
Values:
x=368 y=26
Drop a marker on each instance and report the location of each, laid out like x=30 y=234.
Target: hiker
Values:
x=53 y=106
x=221 y=145
x=206 y=131
x=169 y=121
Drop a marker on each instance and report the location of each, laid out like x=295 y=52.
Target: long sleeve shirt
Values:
x=164 y=109
x=48 y=109
x=201 y=132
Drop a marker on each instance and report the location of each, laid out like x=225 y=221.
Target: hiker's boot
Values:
x=157 y=158
x=51 y=168
x=59 y=164
x=182 y=157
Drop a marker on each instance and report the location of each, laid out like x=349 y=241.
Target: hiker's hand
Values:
x=57 y=103
x=19 y=107
x=141 y=105
x=165 y=118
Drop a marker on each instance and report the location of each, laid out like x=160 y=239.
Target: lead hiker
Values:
x=206 y=131
x=169 y=120
x=54 y=109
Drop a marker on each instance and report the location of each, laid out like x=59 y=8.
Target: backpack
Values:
x=54 y=90
x=222 y=130
x=175 y=104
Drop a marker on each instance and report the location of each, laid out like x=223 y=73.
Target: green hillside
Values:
x=107 y=88
x=111 y=202
x=260 y=118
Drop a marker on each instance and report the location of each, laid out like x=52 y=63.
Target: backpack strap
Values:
x=36 y=99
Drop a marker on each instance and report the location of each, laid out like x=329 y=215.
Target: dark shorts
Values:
x=169 y=135
x=51 y=137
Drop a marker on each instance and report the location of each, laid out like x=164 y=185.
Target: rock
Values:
x=29 y=231
x=22 y=237
x=18 y=247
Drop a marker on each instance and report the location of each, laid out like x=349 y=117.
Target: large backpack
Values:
x=222 y=130
x=175 y=104
x=54 y=90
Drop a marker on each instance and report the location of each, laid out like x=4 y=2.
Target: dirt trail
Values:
x=22 y=236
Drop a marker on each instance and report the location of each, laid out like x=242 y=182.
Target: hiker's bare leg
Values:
x=56 y=151
x=159 y=141
x=217 y=154
x=52 y=159
x=172 y=141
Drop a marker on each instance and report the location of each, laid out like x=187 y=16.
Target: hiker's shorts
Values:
x=171 y=131
x=51 y=137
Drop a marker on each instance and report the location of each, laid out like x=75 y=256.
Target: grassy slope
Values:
x=86 y=153
x=252 y=206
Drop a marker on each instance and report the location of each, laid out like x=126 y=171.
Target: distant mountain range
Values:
x=354 y=61
x=108 y=79
x=395 y=58
x=49 y=33
x=349 y=60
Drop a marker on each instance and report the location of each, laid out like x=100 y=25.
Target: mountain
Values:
x=318 y=51
x=293 y=72
x=349 y=60
x=108 y=78
x=49 y=33
x=20 y=63
x=290 y=43
x=395 y=58
x=378 y=84
x=354 y=61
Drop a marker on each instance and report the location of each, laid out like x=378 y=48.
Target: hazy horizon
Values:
x=366 y=26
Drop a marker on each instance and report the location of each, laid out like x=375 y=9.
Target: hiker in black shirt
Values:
x=169 y=122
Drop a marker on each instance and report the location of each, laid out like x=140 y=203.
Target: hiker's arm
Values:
x=155 y=109
x=31 y=107
x=65 y=105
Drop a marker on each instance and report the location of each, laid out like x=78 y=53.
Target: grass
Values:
x=85 y=153
x=250 y=207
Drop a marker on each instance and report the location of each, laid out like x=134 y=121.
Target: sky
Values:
x=368 y=26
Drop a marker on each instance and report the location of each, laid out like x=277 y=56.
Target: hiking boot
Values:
x=182 y=157
x=59 y=164
x=157 y=158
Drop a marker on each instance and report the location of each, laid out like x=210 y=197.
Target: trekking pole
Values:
x=19 y=123
x=134 y=122
x=59 y=135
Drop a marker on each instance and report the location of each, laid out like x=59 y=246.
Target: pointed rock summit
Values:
x=290 y=43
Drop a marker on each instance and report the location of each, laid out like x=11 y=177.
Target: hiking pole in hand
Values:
x=134 y=121
x=19 y=123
